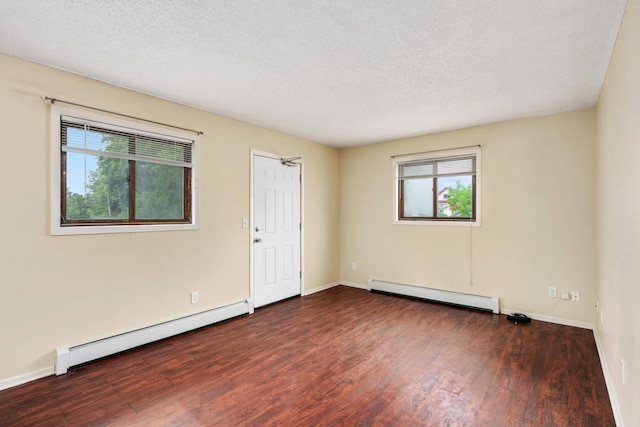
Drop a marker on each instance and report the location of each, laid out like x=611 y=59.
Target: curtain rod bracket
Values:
x=54 y=100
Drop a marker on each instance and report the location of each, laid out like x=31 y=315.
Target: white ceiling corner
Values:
x=337 y=72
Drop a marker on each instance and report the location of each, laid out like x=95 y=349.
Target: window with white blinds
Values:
x=438 y=187
x=114 y=174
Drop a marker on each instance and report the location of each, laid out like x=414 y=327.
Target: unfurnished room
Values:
x=306 y=213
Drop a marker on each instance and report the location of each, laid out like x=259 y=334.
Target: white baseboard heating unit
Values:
x=449 y=297
x=76 y=355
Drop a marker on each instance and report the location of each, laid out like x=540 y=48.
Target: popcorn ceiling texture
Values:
x=336 y=72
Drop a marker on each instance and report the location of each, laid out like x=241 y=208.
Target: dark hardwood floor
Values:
x=344 y=356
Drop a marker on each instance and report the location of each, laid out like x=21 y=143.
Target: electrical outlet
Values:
x=353 y=266
x=575 y=296
x=552 y=292
x=194 y=297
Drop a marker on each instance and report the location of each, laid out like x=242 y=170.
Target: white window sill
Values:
x=475 y=223
x=56 y=230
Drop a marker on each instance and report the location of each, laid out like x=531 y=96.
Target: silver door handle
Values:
x=257 y=240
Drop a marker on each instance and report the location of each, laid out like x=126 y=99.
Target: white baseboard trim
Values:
x=25 y=378
x=75 y=355
x=608 y=381
x=440 y=295
x=321 y=288
x=551 y=319
x=354 y=285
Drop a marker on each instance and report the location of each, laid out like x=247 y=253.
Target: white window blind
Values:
x=451 y=166
x=102 y=139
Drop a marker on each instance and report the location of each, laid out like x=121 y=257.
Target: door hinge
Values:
x=301 y=274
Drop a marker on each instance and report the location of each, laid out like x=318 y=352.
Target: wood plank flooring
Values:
x=342 y=357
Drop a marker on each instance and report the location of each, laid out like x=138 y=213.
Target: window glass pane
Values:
x=159 y=191
x=78 y=166
x=418 y=197
x=417 y=170
x=97 y=187
x=455 y=197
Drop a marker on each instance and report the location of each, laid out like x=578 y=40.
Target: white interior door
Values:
x=276 y=230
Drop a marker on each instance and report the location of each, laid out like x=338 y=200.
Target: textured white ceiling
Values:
x=339 y=72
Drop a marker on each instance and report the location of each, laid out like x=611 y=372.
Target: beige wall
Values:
x=538 y=204
x=619 y=216
x=65 y=290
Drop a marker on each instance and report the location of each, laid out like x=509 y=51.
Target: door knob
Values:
x=258 y=240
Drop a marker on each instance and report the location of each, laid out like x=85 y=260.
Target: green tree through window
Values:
x=460 y=200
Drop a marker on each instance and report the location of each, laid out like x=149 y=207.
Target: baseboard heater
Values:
x=76 y=355
x=439 y=295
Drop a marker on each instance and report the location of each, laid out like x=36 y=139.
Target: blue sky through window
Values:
x=450 y=181
x=79 y=165
x=78 y=168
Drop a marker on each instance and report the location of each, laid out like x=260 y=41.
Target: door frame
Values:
x=300 y=161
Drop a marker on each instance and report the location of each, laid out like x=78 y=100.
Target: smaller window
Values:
x=438 y=187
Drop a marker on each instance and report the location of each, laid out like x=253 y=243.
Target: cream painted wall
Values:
x=66 y=290
x=618 y=127
x=537 y=217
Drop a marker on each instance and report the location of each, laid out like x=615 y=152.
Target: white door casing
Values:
x=276 y=230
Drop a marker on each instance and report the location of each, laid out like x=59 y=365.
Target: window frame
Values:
x=398 y=199
x=58 y=193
